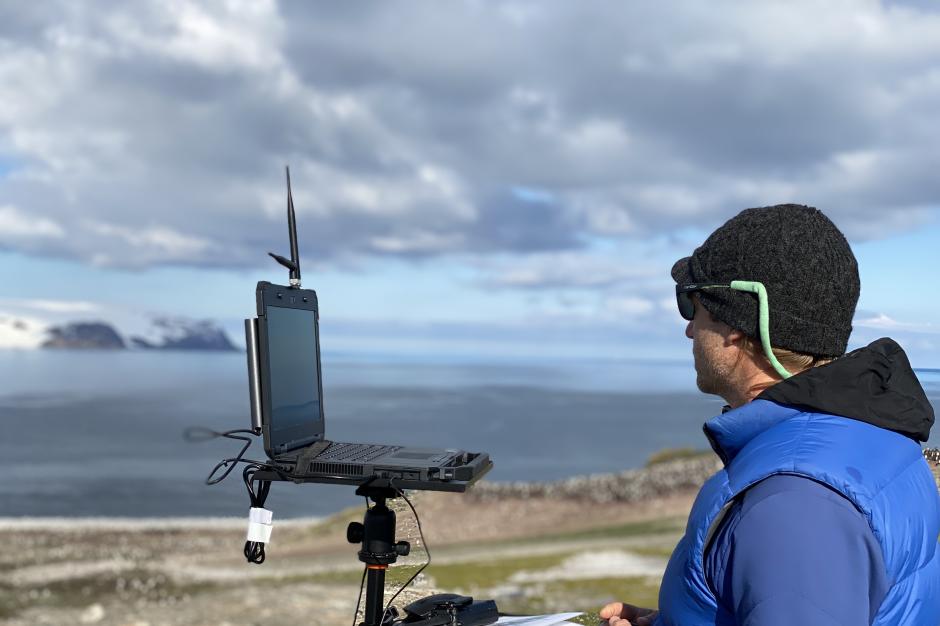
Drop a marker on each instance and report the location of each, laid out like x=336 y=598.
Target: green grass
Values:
x=461 y=575
x=478 y=578
x=675 y=454
x=11 y=602
x=617 y=531
x=591 y=595
x=338 y=521
x=662 y=551
x=340 y=577
x=587 y=595
x=80 y=592
x=621 y=531
x=484 y=574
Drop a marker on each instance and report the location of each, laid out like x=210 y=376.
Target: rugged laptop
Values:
x=286 y=392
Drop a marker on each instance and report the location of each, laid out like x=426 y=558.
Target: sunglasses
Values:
x=684 y=298
x=687 y=311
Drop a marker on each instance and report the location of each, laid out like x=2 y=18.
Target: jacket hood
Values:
x=874 y=384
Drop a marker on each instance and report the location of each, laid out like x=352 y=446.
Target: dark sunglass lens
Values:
x=686 y=306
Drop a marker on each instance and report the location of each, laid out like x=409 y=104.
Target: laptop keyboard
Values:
x=355 y=452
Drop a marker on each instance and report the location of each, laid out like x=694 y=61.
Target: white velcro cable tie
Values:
x=259 y=525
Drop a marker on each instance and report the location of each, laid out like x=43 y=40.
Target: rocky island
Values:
x=84 y=335
x=164 y=333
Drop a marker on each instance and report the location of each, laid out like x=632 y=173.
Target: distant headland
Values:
x=163 y=333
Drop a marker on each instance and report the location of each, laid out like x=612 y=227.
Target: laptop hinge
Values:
x=312 y=451
x=297 y=444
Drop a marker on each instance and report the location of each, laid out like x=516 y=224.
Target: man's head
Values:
x=809 y=279
x=716 y=352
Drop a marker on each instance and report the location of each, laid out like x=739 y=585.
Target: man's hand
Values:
x=620 y=614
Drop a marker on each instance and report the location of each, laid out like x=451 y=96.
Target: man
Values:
x=825 y=512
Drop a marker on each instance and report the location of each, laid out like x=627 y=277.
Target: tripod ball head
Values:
x=355 y=532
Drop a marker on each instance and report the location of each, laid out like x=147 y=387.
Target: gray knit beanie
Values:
x=804 y=262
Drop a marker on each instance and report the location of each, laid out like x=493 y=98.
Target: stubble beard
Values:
x=710 y=376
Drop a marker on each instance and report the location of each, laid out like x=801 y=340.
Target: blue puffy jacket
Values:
x=853 y=426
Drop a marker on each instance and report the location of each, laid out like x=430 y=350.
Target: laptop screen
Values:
x=294 y=369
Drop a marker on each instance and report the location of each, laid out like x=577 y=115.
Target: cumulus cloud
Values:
x=880 y=321
x=52 y=306
x=630 y=305
x=155 y=132
x=15 y=224
x=567 y=270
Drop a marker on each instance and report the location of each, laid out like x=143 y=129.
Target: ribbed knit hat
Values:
x=804 y=262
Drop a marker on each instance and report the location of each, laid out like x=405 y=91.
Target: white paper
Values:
x=537 y=620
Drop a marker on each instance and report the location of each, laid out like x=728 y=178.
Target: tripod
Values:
x=376 y=533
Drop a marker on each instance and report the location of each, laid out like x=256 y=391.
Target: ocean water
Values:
x=101 y=433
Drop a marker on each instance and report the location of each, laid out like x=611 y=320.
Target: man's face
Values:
x=715 y=357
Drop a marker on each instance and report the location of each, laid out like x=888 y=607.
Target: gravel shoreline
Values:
x=187 y=571
x=655 y=481
x=174 y=572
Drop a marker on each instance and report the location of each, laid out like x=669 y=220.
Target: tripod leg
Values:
x=375 y=596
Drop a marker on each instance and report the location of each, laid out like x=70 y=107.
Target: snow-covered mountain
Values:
x=21 y=331
x=78 y=335
x=156 y=333
x=177 y=333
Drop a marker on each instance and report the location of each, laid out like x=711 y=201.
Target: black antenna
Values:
x=292 y=264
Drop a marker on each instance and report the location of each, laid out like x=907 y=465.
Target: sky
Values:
x=472 y=179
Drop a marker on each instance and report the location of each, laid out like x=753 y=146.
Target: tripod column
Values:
x=375 y=594
x=379 y=549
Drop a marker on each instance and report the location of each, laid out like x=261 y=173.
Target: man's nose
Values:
x=688 y=330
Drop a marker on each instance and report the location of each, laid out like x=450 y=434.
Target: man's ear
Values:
x=734 y=337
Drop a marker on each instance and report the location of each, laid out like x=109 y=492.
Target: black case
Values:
x=291 y=298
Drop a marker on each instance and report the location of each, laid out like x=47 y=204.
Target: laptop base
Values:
x=477 y=466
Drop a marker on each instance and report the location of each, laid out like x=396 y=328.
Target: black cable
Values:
x=196 y=434
x=359 y=599
x=254 y=550
x=250 y=462
x=264 y=486
x=423 y=542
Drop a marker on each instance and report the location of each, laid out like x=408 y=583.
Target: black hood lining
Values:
x=874 y=384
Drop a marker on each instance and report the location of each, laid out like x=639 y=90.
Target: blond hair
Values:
x=794 y=362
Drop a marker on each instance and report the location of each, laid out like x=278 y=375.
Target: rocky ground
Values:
x=572 y=545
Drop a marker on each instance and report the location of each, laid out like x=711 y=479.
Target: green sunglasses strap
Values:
x=764 y=327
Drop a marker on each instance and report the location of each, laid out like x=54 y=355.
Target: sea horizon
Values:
x=100 y=434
